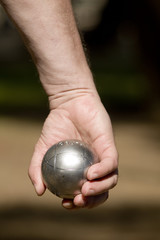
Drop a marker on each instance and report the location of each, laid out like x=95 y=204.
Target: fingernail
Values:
x=68 y=205
x=81 y=204
x=90 y=192
x=94 y=176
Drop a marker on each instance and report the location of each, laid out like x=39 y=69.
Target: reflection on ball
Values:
x=64 y=167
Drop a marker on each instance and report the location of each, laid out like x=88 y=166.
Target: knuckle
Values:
x=115 y=161
x=114 y=181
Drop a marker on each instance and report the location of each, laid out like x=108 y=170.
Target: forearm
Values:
x=50 y=33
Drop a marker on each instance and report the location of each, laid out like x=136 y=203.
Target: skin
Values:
x=76 y=112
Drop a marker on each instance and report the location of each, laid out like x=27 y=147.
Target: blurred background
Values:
x=122 y=41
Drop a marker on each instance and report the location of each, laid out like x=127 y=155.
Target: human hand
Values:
x=82 y=117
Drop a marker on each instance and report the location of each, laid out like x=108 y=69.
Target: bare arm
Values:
x=50 y=33
x=76 y=112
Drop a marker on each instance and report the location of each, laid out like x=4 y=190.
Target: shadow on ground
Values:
x=128 y=222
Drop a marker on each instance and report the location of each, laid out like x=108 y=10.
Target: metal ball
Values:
x=64 y=167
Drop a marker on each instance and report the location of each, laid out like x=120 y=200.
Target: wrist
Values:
x=62 y=80
x=65 y=92
x=70 y=97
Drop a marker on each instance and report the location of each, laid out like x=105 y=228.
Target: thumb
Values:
x=108 y=163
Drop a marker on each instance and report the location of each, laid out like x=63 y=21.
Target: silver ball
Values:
x=64 y=167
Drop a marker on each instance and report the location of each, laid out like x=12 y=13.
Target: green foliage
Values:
x=20 y=87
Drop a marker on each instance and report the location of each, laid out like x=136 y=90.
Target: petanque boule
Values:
x=65 y=166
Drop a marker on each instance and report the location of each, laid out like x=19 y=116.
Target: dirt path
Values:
x=133 y=211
